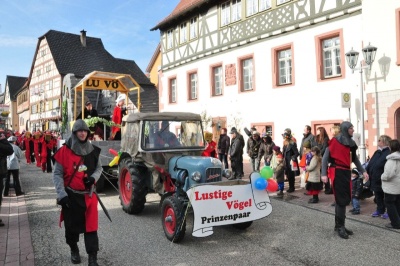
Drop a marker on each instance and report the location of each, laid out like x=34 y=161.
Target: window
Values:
x=285 y=66
x=251 y=7
x=172 y=90
x=193 y=28
x=280 y=2
x=236 y=10
x=247 y=74
x=265 y=4
x=55 y=104
x=331 y=57
x=264 y=128
x=170 y=38
x=34 y=109
x=268 y=130
x=231 y=11
x=43 y=52
x=38 y=72
x=193 y=86
x=225 y=14
x=282 y=65
x=48 y=68
x=182 y=33
x=217 y=80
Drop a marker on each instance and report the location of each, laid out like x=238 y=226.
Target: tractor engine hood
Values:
x=198 y=169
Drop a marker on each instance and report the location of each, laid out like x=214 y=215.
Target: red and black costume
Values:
x=37 y=148
x=28 y=143
x=43 y=153
x=48 y=144
x=76 y=163
x=339 y=155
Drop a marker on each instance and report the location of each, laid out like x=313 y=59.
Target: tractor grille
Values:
x=213 y=175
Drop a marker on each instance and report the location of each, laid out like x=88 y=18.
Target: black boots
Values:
x=343 y=232
x=93 y=259
x=75 y=257
x=314 y=199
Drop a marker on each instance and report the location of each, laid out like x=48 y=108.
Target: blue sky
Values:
x=123 y=25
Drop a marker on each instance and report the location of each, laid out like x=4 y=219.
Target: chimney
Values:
x=83 y=38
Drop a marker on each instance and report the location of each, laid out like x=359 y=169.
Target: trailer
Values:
x=101 y=89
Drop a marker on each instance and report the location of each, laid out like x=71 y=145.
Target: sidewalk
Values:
x=15 y=237
x=367 y=206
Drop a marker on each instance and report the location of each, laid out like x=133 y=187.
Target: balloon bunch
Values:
x=116 y=158
x=265 y=182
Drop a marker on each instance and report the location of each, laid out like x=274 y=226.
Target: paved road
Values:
x=291 y=235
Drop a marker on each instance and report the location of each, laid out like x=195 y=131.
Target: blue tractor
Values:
x=161 y=153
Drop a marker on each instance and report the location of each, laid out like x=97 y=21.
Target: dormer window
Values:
x=183 y=33
x=231 y=11
x=193 y=28
x=170 y=39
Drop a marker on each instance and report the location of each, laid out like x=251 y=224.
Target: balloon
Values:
x=113 y=152
x=114 y=161
x=272 y=185
x=261 y=183
x=255 y=175
x=266 y=172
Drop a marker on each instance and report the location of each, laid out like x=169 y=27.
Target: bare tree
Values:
x=206 y=120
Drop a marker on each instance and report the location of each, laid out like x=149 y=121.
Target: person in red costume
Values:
x=37 y=148
x=28 y=144
x=77 y=168
x=340 y=154
x=48 y=145
x=211 y=145
x=43 y=152
x=119 y=112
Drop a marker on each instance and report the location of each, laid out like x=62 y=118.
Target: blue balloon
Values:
x=261 y=183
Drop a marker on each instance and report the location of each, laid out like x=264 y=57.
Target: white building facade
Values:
x=277 y=64
x=45 y=90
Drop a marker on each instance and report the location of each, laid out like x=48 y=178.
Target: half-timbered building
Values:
x=277 y=64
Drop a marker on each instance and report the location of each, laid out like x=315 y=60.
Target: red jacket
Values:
x=210 y=150
x=117 y=119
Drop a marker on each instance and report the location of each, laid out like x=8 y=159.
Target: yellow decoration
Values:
x=114 y=161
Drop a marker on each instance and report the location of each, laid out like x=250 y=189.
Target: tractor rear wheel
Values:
x=132 y=187
x=173 y=218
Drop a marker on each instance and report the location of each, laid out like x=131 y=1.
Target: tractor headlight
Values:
x=196 y=176
x=226 y=173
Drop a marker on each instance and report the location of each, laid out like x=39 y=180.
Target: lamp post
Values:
x=369 y=53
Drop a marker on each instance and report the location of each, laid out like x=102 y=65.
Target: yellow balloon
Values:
x=114 y=161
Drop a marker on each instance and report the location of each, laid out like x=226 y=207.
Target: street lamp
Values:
x=369 y=53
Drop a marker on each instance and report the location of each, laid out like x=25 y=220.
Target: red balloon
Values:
x=113 y=152
x=272 y=185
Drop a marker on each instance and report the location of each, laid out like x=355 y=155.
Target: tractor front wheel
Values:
x=173 y=218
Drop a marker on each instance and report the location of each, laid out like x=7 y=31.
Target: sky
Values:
x=123 y=25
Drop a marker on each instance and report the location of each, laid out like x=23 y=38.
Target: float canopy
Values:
x=123 y=83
